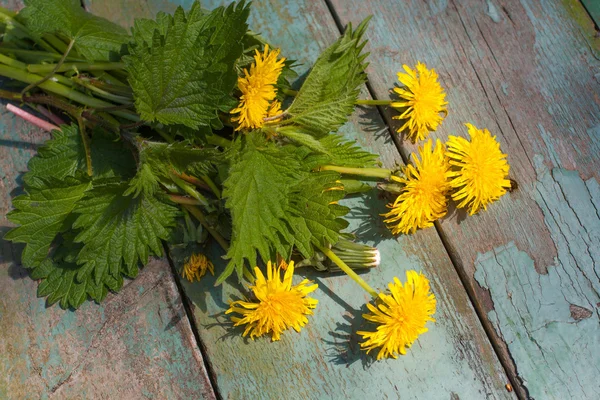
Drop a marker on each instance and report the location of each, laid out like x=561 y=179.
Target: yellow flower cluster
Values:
x=257 y=101
x=196 y=266
x=474 y=171
x=401 y=313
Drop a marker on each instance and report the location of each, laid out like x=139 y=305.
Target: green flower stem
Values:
x=107 y=83
x=59 y=45
x=100 y=66
x=369 y=172
x=168 y=138
x=218 y=141
x=111 y=79
x=175 y=198
x=199 y=215
x=62 y=90
x=12 y=62
x=188 y=189
x=212 y=186
x=342 y=265
x=290 y=92
x=37 y=55
x=373 y=102
x=352 y=186
x=86 y=145
x=248 y=274
x=193 y=180
x=51 y=73
x=102 y=93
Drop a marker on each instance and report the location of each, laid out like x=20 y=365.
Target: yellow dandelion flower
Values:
x=258 y=89
x=401 y=315
x=274 y=109
x=279 y=305
x=482 y=172
x=424 y=101
x=196 y=266
x=423 y=196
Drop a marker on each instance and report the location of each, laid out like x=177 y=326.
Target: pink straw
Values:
x=40 y=123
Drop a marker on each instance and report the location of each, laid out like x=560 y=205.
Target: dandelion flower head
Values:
x=423 y=196
x=423 y=101
x=279 y=305
x=258 y=90
x=481 y=170
x=400 y=315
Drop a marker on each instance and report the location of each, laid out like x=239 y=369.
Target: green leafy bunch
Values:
x=149 y=142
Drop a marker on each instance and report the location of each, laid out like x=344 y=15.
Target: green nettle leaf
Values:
x=159 y=160
x=314 y=215
x=60 y=283
x=64 y=155
x=184 y=72
x=257 y=192
x=118 y=231
x=339 y=151
x=95 y=38
x=59 y=277
x=327 y=97
x=42 y=213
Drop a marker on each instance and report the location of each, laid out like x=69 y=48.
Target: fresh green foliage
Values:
x=338 y=151
x=42 y=213
x=118 y=231
x=327 y=97
x=85 y=230
x=115 y=229
x=257 y=192
x=159 y=160
x=95 y=38
x=297 y=135
x=313 y=212
x=59 y=284
x=184 y=72
x=277 y=202
x=64 y=155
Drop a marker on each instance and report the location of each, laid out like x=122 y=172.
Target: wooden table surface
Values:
x=518 y=286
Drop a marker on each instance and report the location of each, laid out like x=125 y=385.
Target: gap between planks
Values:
x=507 y=364
x=194 y=327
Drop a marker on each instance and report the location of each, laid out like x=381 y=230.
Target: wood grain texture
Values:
x=529 y=72
x=453 y=360
x=137 y=344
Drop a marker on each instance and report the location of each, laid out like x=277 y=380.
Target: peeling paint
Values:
x=551 y=322
x=492 y=12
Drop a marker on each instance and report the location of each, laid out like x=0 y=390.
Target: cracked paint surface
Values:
x=551 y=322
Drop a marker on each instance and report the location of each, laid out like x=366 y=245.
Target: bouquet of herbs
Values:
x=188 y=127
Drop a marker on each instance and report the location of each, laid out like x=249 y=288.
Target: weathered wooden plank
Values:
x=454 y=359
x=528 y=71
x=137 y=344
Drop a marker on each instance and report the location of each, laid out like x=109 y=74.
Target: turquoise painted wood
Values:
x=137 y=345
x=551 y=322
x=453 y=360
x=529 y=71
